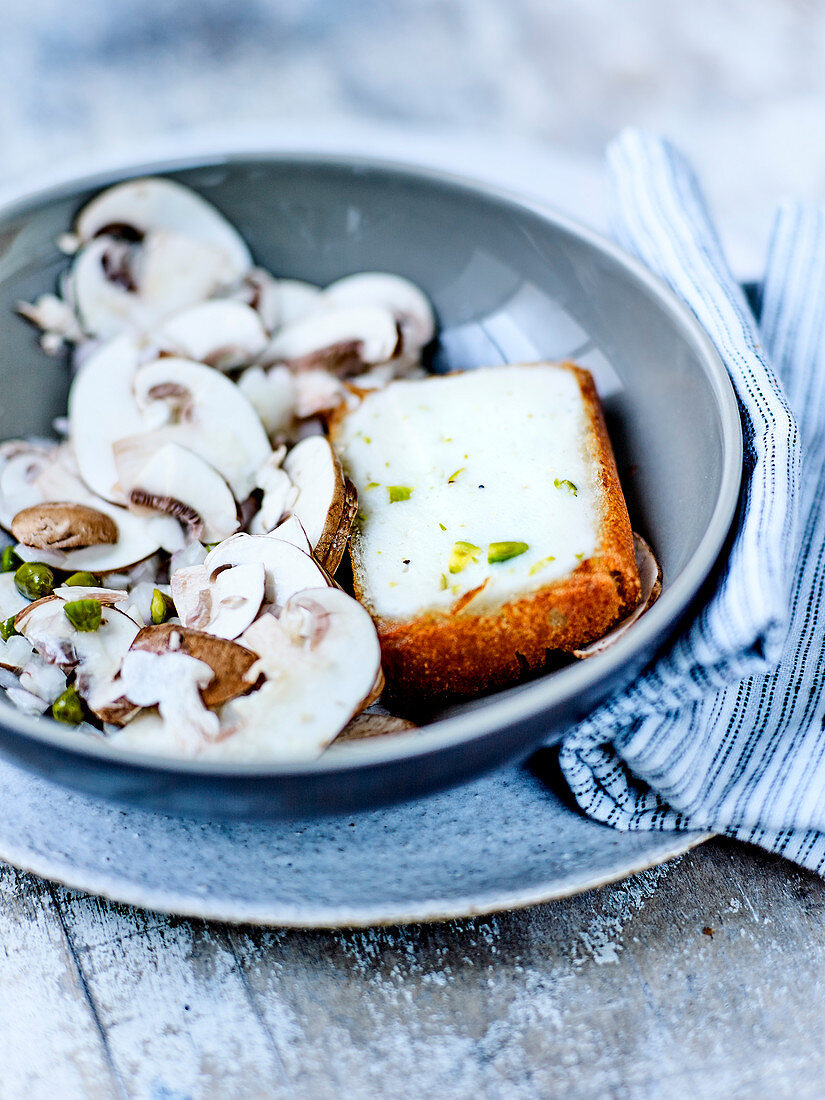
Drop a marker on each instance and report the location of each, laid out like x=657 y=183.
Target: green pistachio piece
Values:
x=83 y=579
x=9 y=561
x=539 y=565
x=161 y=608
x=457 y=473
x=462 y=554
x=563 y=483
x=84 y=615
x=34 y=580
x=68 y=707
x=399 y=492
x=503 y=551
x=7 y=628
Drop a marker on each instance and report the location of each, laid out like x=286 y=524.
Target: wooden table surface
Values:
x=698 y=978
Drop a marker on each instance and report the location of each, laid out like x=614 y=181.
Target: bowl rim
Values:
x=511 y=706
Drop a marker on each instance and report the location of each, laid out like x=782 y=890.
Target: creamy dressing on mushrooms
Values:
x=496 y=455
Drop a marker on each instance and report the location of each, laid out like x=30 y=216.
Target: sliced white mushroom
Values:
x=318 y=391
x=224 y=606
x=367 y=725
x=50 y=476
x=172 y=681
x=175 y=481
x=95 y=655
x=26 y=701
x=10 y=599
x=291 y=530
x=650 y=577
x=221 y=333
x=21 y=464
x=55 y=316
x=205 y=413
x=191 y=594
x=279 y=494
x=15 y=654
x=102 y=410
x=42 y=679
x=150 y=204
x=326 y=504
x=344 y=341
x=406 y=302
x=288 y=569
x=320 y=660
x=271 y=393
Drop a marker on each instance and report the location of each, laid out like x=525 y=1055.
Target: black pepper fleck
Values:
x=406 y=561
x=481 y=486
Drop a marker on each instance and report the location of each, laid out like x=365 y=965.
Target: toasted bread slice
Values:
x=492 y=528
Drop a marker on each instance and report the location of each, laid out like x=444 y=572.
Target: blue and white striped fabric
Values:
x=726 y=731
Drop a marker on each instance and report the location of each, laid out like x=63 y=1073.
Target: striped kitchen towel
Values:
x=726 y=731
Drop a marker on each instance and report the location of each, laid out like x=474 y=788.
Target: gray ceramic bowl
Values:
x=510 y=281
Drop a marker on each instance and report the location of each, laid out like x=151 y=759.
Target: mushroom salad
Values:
x=168 y=583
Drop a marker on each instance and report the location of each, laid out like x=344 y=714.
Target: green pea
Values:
x=9 y=561
x=7 y=628
x=161 y=608
x=84 y=615
x=34 y=580
x=68 y=707
x=83 y=579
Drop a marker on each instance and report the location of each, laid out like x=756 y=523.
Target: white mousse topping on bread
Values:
x=491 y=525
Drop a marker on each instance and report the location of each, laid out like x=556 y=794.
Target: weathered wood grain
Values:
x=700 y=978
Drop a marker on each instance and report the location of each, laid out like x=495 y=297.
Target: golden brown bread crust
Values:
x=458 y=654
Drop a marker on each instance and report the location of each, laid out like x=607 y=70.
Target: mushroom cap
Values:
x=343 y=340
x=221 y=333
x=229 y=661
x=288 y=569
x=206 y=413
x=49 y=475
x=63 y=525
x=408 y=305
x=325 y=506
x=153 y=203
x=170 y=479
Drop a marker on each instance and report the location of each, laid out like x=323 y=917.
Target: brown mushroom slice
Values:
x=55 y=479
x=175 y=481
x=175 y=682
x=367 y=725
x=650 y=577
x=288 y=569
x=409 y=306
x=230 y=662
x=344 y=341
x=61 y=525
x=152 y=204
x=326 y=505
x=320 y=659
x=221 y=333
x=203 y=411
